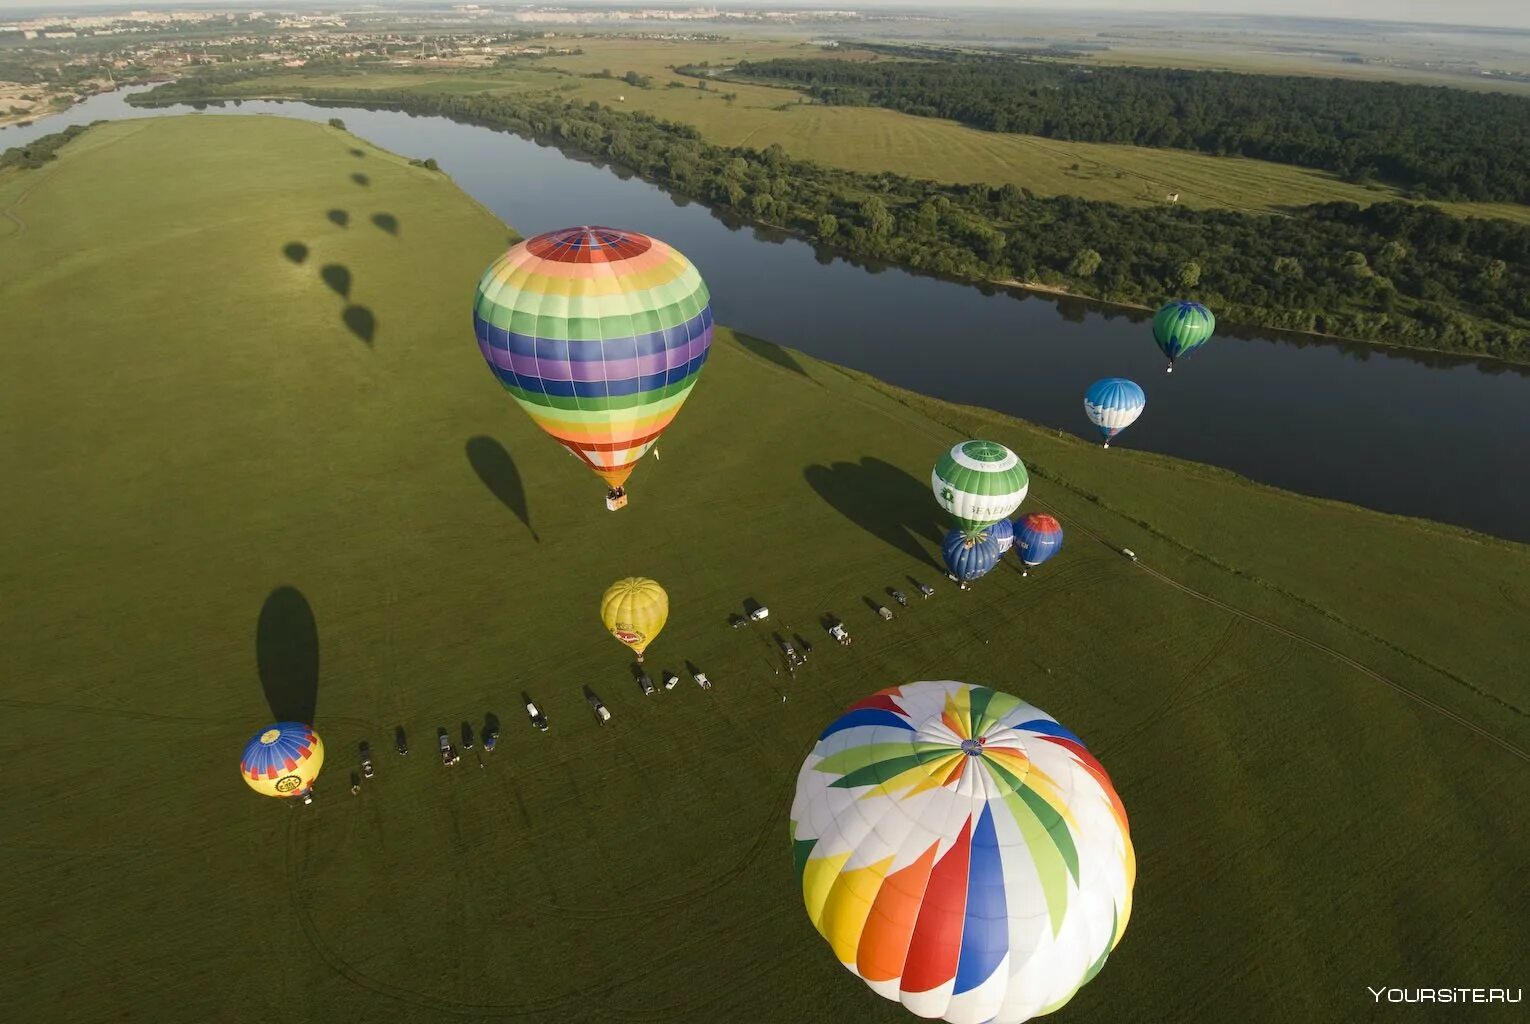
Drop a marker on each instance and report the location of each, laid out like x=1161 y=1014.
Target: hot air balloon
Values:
x=1113 y=404
x=962 y=852
x=979 y=483
x=1180 y=326
x=1037 y=538
x=1004 y=533
x=634 y=610
x=282 y=759
x=599 y=335
x=969 y=556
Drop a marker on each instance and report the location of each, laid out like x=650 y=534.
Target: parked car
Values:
x=885 y=612
x=449 y=754
x=645 y=684
x=366 y=759
x=670 y=679
x=702 y=680
x=535 y=714
x=490 y=738
x=467 y=736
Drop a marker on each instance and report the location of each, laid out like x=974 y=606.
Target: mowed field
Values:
x=251 y=454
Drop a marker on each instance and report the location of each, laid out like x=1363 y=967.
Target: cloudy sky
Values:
x=1513 y=13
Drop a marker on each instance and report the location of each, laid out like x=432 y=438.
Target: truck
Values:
x=449 y=754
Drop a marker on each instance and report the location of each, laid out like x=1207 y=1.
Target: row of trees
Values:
x=1445 y=143
x=38 y=152
x=1394 y=272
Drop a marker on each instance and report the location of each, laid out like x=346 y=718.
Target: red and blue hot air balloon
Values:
x=1038 y=537
x=969 y=558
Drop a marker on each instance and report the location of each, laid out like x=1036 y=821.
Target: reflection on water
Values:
x=1410 y=432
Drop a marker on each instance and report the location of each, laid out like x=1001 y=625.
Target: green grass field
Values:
x=873 y=139
x=195 y=419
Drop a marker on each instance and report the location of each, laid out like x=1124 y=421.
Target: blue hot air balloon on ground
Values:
x=1038 y=537
x=969 y=558
x=1113 y=404
x=1004 y=532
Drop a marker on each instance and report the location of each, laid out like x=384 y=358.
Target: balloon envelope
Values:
x=599 y=335
x=634 y=610
x=969 y=557
x=1113 y=404
x=962 y=852
x=1180 y=326
x=979 y=482
x=282 y=759
x=1002 y=532
x=1038 y=537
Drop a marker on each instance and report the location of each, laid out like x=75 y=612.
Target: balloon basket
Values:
x=1169 y=368
x=618 y=502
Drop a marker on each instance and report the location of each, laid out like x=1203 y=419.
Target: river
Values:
x=1414 y=433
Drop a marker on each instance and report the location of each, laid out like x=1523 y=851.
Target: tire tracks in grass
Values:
x=295 y=855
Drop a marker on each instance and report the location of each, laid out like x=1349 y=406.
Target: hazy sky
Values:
x=1515 y=13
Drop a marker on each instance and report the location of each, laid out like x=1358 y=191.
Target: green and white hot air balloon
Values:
x=979 y=483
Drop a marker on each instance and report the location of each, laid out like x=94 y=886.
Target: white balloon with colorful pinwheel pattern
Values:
x=962 y=852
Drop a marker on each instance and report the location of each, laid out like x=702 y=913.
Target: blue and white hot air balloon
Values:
x=1004 y=532
x=1113 y=404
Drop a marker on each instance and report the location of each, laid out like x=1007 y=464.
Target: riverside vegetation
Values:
x=1395 y=272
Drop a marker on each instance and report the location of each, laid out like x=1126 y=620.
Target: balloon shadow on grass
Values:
x=386 y=222
x=360 y=321
x=770 y=353
x=338 y=278
x=297 y=252
x=497 y=471
x=287 y=655
x=339 y=218
x=361 y=179
x=883 y=500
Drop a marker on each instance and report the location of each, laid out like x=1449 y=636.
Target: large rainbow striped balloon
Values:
x=599 y=335
x=282 y=759
x=962 y=852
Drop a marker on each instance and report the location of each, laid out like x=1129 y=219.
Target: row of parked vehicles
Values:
x=537 y=717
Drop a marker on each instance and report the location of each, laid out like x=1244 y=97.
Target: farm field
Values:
x=288 y=474
x=873 y=139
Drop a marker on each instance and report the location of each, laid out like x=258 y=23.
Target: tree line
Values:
x=1441 y=142
x=39 y=151
x=1394 y=272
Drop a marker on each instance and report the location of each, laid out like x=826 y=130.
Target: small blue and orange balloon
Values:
x=1038 y=537
x=282 y=760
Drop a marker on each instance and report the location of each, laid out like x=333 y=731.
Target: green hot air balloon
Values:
x=1180 y=326
x=979 y=483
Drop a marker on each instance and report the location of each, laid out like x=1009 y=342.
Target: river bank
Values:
x=1402 y=431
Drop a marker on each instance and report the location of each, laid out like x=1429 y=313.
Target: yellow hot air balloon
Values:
x=634 y=610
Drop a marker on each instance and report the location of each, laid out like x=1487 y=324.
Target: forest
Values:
x=1438 y=142
x=1398 y=273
